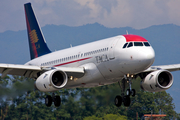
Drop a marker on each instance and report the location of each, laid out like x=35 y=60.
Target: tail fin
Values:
x=37 y=43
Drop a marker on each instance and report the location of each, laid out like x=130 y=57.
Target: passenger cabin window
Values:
x=138 y=44
x=130 y=44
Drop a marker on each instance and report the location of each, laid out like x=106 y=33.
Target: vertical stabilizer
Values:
x=37 y=43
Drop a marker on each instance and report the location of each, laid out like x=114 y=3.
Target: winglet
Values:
x=37 y=43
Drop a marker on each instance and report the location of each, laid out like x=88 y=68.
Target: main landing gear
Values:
x=56 y=99
x=125 y=98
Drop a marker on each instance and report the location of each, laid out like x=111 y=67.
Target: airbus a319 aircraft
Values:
x=116 y=59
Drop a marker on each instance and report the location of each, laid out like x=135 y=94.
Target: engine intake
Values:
x=51 y=80
x=157 y=81
x=164 y=79
x=58 y=79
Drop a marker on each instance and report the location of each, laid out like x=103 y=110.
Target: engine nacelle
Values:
x=157 y=81
x=51 y=80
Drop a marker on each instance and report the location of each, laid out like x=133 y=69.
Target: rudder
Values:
x=37 y=43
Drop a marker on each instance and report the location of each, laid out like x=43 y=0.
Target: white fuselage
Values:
x=105 y=61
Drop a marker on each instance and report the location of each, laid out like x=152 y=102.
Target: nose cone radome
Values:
x=137 y=59
x=146 y=57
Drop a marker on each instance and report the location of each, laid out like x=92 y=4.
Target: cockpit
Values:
x=131 y=44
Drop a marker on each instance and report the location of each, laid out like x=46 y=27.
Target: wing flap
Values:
x=21 y=70
x=31 y=71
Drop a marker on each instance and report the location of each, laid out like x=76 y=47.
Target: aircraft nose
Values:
x=146 y=57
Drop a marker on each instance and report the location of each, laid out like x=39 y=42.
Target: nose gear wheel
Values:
x=131 y=92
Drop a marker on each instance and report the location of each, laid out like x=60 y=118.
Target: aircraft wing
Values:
x=171 y=68
x=32 y=71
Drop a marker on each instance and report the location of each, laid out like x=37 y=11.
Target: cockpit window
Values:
x=146 y=44
x=138 y=44
x=125 y=45
x=130 y=44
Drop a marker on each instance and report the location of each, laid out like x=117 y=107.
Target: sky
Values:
x=137 y=14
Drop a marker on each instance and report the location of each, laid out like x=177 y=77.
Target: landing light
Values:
x=71 y=78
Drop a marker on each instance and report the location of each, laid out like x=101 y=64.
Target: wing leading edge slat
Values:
x=171 y=68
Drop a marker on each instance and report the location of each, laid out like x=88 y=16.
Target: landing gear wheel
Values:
x=128 y=92
x=57 y=101
x=48 y=100
x=125 y=98
x=127 y=101
x=118 y=101
x=133 y=92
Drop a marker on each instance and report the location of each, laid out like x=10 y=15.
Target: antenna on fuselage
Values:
x=127 y=32
x=71 y=45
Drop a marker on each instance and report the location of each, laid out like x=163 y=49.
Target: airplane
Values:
x=117 y=59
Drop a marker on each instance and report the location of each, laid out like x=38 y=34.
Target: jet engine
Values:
x=157 y=81
x=51 y=80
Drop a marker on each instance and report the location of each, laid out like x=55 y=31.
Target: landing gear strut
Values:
x=56 y=99
x=130 y=91
x=125 y=98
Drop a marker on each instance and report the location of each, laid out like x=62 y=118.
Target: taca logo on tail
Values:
x=37 y=43
x=33 y=36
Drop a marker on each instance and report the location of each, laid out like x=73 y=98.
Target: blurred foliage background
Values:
x=20 y=101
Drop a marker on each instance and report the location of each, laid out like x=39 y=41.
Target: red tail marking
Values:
x=33 y=44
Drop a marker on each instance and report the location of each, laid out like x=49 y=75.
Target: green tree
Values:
x=106 y=117
x=19 y=100
x=92 y=118
x=164 y=104
x=114 y=117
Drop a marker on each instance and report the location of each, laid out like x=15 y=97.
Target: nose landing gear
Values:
x=125 y=98
x=131 y=92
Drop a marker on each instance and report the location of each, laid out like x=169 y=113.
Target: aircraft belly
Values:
x=92 y=77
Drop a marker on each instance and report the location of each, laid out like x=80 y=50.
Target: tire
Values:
x=127 y=101
x=128 y=92
x=48 y=100
x=57 y=101
x=133 y=92
x=118 y=100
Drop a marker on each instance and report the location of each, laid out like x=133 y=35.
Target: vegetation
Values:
x=19 y=101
